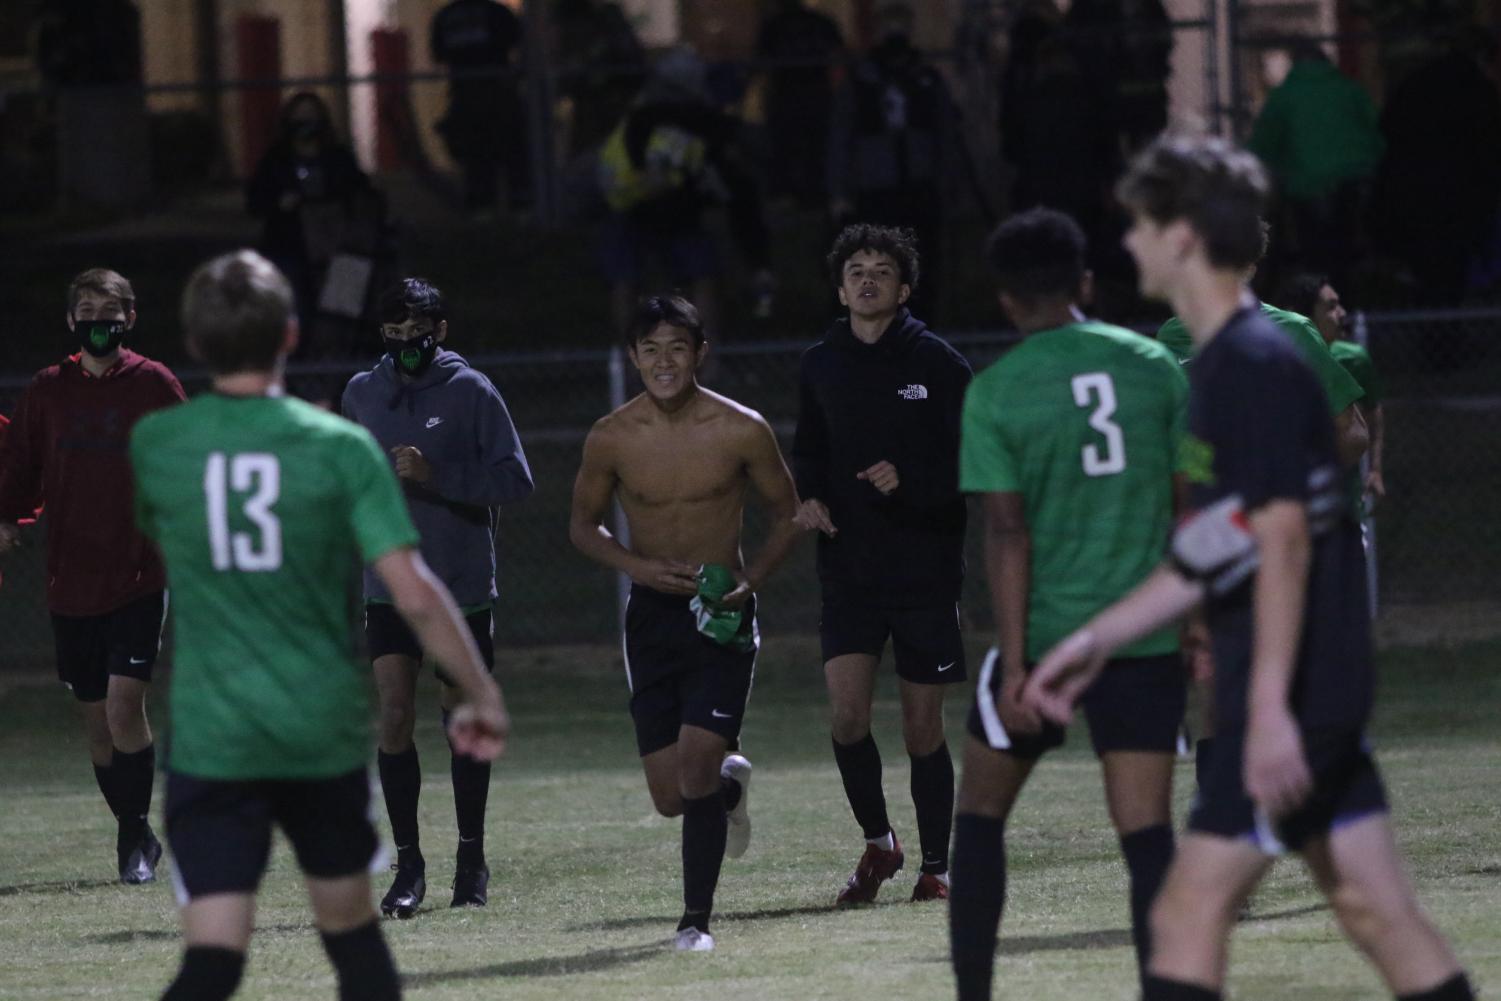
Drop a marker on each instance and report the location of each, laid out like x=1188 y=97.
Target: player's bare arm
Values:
x=1351 y=435
x=1008 y=567
x=1276 y=773
x=1375 y=482
x=773 y=484
x=481 y=726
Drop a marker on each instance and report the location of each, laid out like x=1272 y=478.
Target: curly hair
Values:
x=898 y=244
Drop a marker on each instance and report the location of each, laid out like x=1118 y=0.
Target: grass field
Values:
x=585 y=888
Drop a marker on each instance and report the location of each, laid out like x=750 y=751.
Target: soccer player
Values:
x=1312 y=295
x=105 y=584
x=876 y=455
x=1274 y=553
x=260 y=504
x=457 y=456
x=1072 y=441
x=678 y=459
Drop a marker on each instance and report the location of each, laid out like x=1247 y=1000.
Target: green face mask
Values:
x=99 y=338
x=413 y=357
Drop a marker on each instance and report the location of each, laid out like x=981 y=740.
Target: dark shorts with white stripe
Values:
x=680 y=677
x=927 y=641
x=1136 y=704
x=125 y=641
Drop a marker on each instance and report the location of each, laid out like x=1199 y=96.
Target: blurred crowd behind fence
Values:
x=1436 y=535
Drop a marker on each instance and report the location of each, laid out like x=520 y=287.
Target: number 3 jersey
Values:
x=263 y=507
x=1085 y=422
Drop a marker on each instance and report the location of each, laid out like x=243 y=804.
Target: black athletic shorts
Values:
x=1346 y=787
x=219 y=830
x=678 y=676
x=925 y=639
x=386 y=632
x=1136 y=704
x=125 y=641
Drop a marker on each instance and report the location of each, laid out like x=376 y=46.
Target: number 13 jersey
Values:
x=1085 y=422
x=263 y=507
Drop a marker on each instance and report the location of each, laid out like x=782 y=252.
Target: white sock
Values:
x=885 y=842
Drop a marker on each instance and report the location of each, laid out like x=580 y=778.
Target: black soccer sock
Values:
x=133 y=774
x=471 y=791
x=860 y=768
x=704 y=827
x=1148 y=853
x=1202 y=751
x=1162 y=989
x=933 y=798
x=1456 y=988
x=401 y=784
x=731 y=790
x=208 y=973
x=364 y=964
x=105 y=776
x=977 y=894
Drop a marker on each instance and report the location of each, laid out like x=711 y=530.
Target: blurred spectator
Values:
x=316 y=204
x=1126 y=47
x=1053 y=131
x=1317 y=133
x=601 y=66
x=804 y=49
x=484 y=129
x=892 y=143
x=674 y=157
x=1438 y=190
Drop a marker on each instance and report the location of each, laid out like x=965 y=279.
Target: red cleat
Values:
x=876 y=866
x=930 y=887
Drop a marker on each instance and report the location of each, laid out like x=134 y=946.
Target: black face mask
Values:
x=99 y=338
x=414 y=356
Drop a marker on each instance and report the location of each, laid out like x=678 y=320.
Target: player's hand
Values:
x=1060 y=678
x=742 y=593
x=1016 y=715
x=813 y=515
x=1276 y=772
x=882 y=476
x=10 y=536
x=410 y=465
x=667 y=576
x=480 y=731
x=1375 y=486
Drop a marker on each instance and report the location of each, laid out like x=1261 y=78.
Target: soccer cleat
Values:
x=471 y=886
x=138 y=861
x=930 y=887
x=737 y=838
x=406 y=892
x=876 y=866
x=693 y=940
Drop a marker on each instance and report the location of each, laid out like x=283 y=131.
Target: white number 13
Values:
x=257 y=471
x=1100 y=386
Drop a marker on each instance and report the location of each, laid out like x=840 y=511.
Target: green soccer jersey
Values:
x=1085 y=422
x=1339 y=387
x=1357 y=361
x=262 y=507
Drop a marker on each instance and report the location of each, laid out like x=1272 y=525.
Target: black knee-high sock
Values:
x=704 y=827
x=133 y=775
x=1161 y=989
x=976 y=897
x=1148 y=853
x=401 y=783
x=105 y=776
x=860 y=768
x=1202 y=751
x=364 y=964
x=208 y=973
x=933 y=798
x=1456 y=988
x=471 y=791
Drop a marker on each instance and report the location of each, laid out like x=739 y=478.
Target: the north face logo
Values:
x=913 y=392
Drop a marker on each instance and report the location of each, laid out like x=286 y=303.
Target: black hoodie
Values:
x=897 y=400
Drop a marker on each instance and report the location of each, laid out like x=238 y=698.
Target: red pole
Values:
x=388 y=50
x=258 y=57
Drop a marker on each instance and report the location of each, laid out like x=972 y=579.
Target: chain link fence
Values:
x=1435 y=538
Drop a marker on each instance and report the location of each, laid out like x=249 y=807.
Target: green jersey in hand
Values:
x=262 y=507
x=1086 y=422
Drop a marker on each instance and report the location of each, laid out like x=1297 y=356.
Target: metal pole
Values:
x=1232 y=60
x=1212 y=65
x=539 y=104
x=622 y=529
x=1362 y=334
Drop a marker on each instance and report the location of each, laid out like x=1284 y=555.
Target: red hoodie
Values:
x=67 y=448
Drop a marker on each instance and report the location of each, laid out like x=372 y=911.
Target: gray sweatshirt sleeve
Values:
x=498 y=473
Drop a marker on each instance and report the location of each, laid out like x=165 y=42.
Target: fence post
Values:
x=621 y=528
x=1362 y=334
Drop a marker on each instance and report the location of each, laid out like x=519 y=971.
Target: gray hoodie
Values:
x=455 y=417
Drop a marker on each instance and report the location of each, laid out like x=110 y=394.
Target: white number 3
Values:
x=1113 y=461
x=257 y=471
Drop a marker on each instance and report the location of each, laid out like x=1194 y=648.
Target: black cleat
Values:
x=471 y=886
x=138 y=857
x=406 y=892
